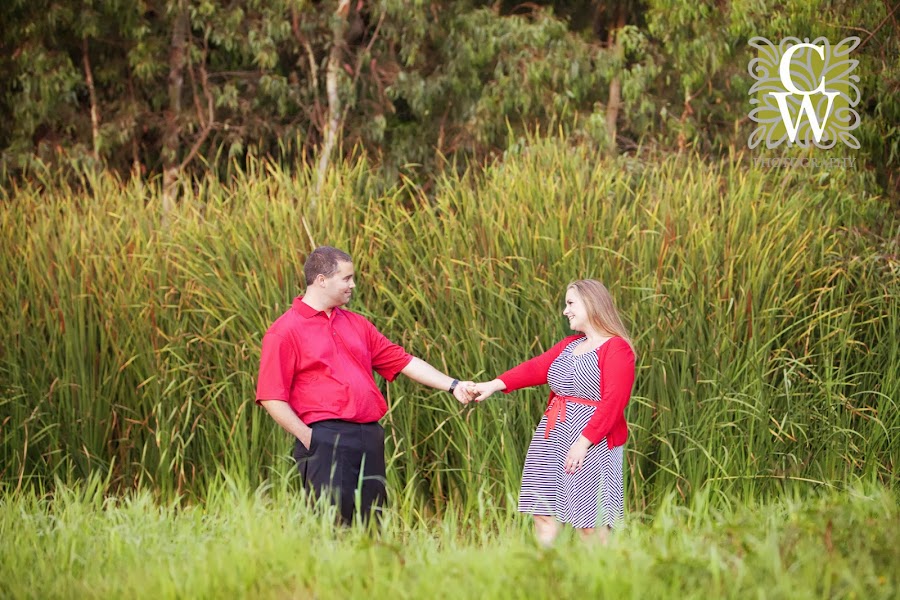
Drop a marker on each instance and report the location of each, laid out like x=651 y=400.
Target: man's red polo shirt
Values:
x=322 y=367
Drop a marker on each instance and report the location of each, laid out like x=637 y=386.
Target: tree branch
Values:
x=361 y=56
x=210 y=106
x=301 y=39
x=190 y=70
x=880 y=25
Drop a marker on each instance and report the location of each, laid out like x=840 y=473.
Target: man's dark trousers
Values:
x=344 y=457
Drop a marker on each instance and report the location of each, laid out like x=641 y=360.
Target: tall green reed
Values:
x=762 y=305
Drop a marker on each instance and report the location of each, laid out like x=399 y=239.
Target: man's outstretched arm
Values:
x=421 y=372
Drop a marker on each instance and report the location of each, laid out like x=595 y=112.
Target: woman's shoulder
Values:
x=618 y=344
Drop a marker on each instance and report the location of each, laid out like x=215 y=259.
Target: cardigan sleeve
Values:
x=534 y=371
x=616 y=380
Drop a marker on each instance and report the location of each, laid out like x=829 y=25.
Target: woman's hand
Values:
x=575 y=457
x=486 y=388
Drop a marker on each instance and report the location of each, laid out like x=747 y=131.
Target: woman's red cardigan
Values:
x=616 y=362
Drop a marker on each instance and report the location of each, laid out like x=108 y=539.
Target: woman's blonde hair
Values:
x=601 y=309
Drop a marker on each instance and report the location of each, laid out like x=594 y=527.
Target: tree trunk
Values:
x=310 y=56
x=615 y=85
x=136 y=170
x=92 y=94
x=172 y=131
x=333 y=122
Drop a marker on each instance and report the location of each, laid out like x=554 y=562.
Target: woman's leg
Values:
x=595 y=534
x=545 y=529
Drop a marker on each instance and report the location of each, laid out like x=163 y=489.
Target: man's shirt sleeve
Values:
x=277 y=364
x=388 y=359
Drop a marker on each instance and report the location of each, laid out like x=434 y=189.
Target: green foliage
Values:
x=422 y=85
x=494 y=72
x=704 y=82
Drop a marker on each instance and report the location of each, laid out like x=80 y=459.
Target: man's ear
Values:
x=320 y=280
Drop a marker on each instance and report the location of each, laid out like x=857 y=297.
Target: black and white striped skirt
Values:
x=590 y=497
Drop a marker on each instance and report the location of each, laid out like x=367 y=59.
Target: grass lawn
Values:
x=270 y=544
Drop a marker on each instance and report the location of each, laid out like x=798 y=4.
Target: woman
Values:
x=576 y=454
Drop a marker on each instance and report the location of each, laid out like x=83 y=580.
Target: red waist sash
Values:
x=556 y=409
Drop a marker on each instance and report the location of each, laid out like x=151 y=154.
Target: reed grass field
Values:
x=267 y=544
x=764 y=456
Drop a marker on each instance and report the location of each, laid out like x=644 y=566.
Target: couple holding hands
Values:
x=315 y=380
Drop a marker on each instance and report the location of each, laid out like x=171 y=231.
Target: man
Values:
x=315 y=380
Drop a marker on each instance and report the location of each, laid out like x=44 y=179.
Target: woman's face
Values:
x=575 y=311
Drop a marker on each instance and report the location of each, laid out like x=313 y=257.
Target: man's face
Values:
x=339 y=287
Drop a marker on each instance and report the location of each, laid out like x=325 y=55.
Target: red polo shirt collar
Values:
x=308 y=311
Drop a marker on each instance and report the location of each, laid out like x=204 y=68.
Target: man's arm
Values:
x=285 y=416
x=277 y=364
x=420 y=371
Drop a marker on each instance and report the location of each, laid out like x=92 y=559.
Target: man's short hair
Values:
x=323 y=261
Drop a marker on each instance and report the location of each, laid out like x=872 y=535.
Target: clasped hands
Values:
x=467 y=391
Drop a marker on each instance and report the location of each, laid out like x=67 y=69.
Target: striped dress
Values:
x=593 y=495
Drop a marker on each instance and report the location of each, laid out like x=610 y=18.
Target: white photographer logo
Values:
x=822 y=115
